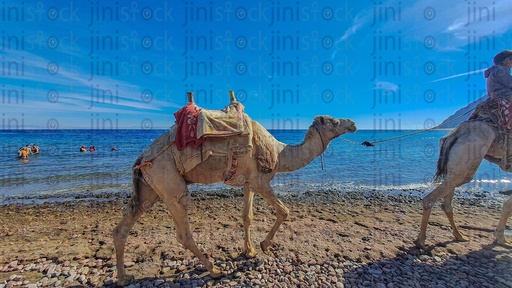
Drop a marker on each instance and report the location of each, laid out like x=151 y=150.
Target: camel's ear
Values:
x=320 y=119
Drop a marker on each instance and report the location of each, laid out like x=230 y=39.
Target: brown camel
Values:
x=162 y=180
x=461 y=152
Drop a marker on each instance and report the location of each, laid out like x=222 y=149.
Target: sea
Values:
x=401 y=162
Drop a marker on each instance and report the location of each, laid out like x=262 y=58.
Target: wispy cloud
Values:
x=75 y=92
x=451 y=21
x=459 y=75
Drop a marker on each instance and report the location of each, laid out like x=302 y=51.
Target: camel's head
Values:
x=333 y=127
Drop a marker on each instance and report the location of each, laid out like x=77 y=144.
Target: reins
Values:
x=371 y=144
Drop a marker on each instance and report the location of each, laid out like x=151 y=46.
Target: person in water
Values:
x=35 y=149
x=499 y=80
x=92 y=149
x=83 y=149
x=28 y=149
x=22 y=153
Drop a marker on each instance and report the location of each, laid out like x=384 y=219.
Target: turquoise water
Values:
x=61 y=171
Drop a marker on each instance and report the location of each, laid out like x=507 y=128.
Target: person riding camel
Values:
x=499 y=80
x=499 y=87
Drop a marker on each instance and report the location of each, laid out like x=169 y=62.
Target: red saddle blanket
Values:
x=194 y=124
x=186 y=119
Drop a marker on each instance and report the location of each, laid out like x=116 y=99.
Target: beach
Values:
x=357 y=239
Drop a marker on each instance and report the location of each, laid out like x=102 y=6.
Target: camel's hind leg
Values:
x=500 y=230
x=464 y=158
x=178 y=205
x=247 y=216
x=142 y=202
x=448 y=211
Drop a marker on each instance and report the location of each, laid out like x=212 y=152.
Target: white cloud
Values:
x=386 y=86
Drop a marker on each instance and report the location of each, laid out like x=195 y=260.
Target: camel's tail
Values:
x=445 y=145
x=136 y=176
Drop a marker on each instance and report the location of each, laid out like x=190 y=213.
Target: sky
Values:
x=387 y=65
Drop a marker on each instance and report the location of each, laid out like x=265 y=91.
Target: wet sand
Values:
x=329 y=241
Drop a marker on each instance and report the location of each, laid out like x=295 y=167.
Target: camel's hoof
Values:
x=125 y=280
x=500 y=240
x=459 y=237
x=265 y=247
x=251 y=254
x=216 y=273
x=419 y=243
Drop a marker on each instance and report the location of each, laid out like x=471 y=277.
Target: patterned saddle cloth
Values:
x=495 y=111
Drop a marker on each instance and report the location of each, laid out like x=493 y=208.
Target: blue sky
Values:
x=128 y=64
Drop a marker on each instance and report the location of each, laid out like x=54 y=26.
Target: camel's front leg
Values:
x=448 y=211
x=247 y=215
x=281 y=211
x=500 y=229
x=146 y=199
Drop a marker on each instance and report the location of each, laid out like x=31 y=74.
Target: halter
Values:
x=321 y=138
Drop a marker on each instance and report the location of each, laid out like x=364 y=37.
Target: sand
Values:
x=354 y=233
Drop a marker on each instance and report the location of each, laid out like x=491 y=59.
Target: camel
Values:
x=461 y=152
x=162 y=180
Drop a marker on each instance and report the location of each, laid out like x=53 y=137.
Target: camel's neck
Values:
x=294 y=157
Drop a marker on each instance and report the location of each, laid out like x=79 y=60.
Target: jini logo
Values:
x=475 y=92
x=386 y=67
x=103 y=42
x=101 y=67
x=481 y=42
x=98 y=122
x=13 y=67
x=13 y=123
x=12 y=42
x=383 y=42
x=13 y=95
x=13 y=13
x=198 y=42
x=478 y=13
x=383 y=13
x=99 y=95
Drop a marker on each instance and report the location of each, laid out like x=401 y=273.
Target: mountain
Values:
x=462 y=114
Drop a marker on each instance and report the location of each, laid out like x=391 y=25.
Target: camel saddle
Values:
x=200 y=133
x=497 y=112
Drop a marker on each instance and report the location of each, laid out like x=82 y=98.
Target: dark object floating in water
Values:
x=367 y=144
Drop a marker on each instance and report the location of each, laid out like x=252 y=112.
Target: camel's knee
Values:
x=428 y=203
x=507 y=206
x=121 y=231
